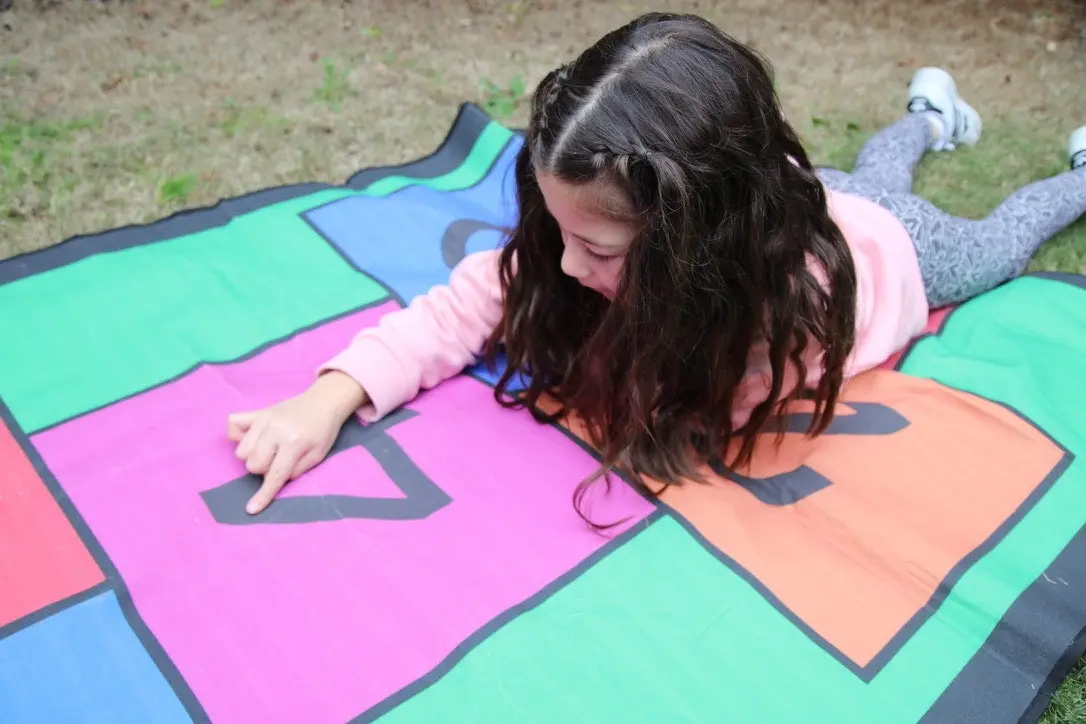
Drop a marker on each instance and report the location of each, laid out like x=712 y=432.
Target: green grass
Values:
x=334 y=85
x=501 y=102
x=177 y=189
x=1068 y=706
x=28 y=158
x=61 y=176
x=970 y=182
x=233 y=118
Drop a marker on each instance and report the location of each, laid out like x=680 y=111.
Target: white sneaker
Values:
x=1076 y=148
x=933 y=90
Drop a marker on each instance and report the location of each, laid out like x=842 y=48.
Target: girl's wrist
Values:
x=340 y=391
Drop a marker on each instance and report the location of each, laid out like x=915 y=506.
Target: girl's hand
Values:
x=288 y=438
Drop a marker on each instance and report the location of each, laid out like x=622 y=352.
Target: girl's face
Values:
x=595 y=241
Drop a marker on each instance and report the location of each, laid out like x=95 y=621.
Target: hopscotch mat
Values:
x=924 y=561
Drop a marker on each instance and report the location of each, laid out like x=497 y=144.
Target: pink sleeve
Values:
x=432 y=339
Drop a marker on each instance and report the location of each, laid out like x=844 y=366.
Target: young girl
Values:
x=679 y=272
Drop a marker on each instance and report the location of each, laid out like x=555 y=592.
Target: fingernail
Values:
x=251 y=508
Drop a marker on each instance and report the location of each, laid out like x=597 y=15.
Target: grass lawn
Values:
x=970 y=182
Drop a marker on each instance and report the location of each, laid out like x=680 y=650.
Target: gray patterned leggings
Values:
x=959 y=258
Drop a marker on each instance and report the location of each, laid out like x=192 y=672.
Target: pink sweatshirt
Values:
x=442 y=332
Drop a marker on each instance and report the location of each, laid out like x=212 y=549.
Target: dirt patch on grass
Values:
x=122 y=112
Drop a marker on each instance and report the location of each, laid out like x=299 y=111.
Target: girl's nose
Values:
x=573 y=263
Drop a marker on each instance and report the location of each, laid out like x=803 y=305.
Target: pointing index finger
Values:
x=278 y=475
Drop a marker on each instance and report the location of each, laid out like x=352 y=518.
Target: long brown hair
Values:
x=685 y=121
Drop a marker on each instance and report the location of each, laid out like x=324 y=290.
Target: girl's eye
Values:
x=598 y=257
x=588 y=250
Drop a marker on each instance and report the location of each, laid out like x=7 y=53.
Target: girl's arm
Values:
x=432 y=339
